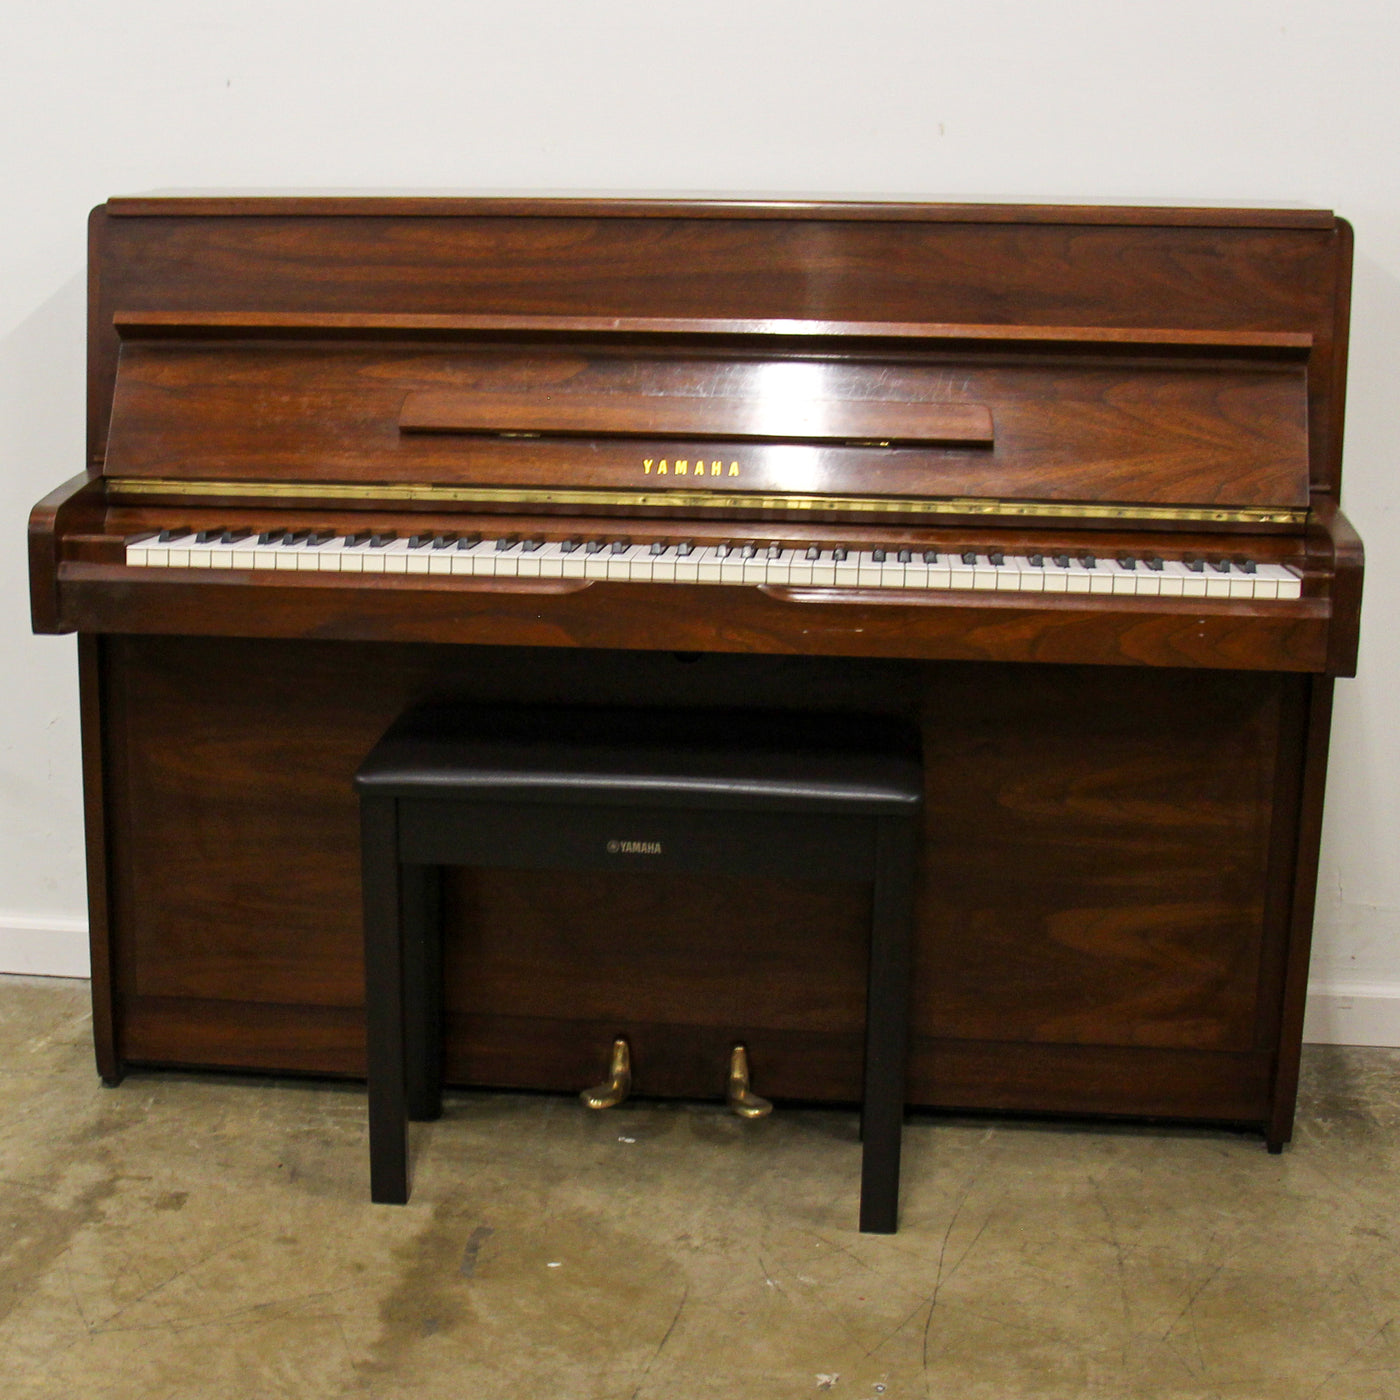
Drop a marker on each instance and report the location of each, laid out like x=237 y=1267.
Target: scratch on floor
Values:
x=660 y=1346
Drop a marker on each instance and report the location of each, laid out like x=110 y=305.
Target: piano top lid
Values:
x=632 y=205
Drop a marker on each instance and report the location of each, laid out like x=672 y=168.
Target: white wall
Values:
x=1073 y=99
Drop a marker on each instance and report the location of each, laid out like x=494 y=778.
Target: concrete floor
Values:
x=196 y=1237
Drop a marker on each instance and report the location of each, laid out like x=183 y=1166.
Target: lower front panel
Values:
x=1100 y=925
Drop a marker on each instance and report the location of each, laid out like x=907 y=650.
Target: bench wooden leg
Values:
x=886 y=1026
x=384 y=1008
x=420 y=913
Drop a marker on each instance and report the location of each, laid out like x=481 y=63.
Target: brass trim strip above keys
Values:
x=253 y=492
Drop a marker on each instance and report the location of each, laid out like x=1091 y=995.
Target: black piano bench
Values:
x=723 y=792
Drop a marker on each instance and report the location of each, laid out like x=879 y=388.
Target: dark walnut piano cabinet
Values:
x=1098 y=448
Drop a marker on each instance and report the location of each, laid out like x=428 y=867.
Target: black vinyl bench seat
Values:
x=721 y=792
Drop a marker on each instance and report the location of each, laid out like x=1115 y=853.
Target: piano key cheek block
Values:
x=1057 y=486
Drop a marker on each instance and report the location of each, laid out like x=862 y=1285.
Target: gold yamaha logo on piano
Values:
x=634 y=848
x=683 y=466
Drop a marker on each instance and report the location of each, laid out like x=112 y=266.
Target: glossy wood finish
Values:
x=1192 y=433
x=1125 y=795
x=1093 y=889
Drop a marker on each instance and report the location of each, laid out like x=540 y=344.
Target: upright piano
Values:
x=1058 y=483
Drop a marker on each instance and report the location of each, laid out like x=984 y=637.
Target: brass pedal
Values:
x=742 y=1100
x=618 y=1084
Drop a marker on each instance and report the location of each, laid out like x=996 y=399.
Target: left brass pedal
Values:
x=618 y=1085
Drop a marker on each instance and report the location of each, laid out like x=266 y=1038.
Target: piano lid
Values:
x=692 y=417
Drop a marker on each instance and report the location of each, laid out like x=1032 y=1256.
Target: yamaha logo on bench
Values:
x=634 y=848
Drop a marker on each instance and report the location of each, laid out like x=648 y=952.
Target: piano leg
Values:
x=384 y=1001
x=886 y=1026
x=1306 y=800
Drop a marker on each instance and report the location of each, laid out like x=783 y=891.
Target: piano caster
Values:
x=618 y=1084
x=741 y=1099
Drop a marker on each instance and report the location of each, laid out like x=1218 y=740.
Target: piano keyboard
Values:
x=822 y=566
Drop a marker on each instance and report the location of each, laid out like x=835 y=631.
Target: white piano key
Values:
x=846 y=572
x=688 y=566
x=892 y=571
x=780 y=562
x=985 y=575
x=1121 y=579
x=709 y=562
x=640 y=563
x=418 y=558
x=868 y=569
x=1241 y=583
x=619 y=562
x=1179 y=581
x=1217 y=583
x=1288 y=582
x=1029 y=577
x=961 y=573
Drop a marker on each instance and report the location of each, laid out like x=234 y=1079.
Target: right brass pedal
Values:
x=742 y=1100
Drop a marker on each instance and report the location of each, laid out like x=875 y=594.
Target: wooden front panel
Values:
x=1094 y=905
x=1193 y=433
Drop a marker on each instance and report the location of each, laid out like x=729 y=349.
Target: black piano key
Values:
x=469 y=542
x=1126 y=561
x=930 y=556
x=814 y=551
x=443 y=541
x=1037 y=561
x=234 y=536
x=419 y=541
x=659 y=547
x=267 y=537
x=1247 y=566
x=969 y=557
x=1221 y=566
x=905 y=556
x=1062 y=561
x=380 y=541
x=296 y=536
x=1089 y=561
x=1153 y=561
x=996 y=559
x=354 y=541
x=507 y=542
x=595 y=546
x=570 y=546
x=748 y=551
x=1197 y=566
x=621 y=546
x=774 y=551
x=685 y=549
x=208 y=536
x=179 y=533
x=319 y=537
x=877 y=556
x=531 y=546
x=840 y=553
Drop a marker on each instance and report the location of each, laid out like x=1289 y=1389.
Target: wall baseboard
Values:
x=36 y=947
x=1339 y=1013
x=1353 y=1013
